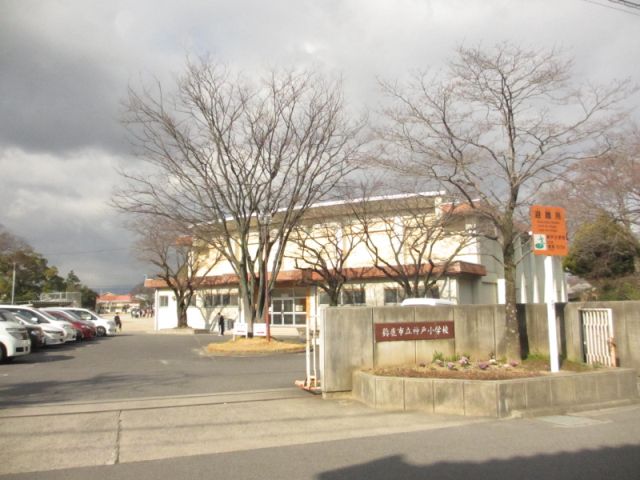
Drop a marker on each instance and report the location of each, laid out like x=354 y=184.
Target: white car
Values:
x=41 y=318
x=53 y=334
x=14 y=340
x=103 y=326
x=432 y=302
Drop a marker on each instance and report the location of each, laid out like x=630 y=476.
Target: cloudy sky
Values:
x=65 y=66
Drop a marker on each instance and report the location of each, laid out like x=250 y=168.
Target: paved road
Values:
x=137 y=365
x=349 y=442
x=151 y=406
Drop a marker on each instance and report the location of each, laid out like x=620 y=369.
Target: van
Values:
x=14 y=340
x=432 y=302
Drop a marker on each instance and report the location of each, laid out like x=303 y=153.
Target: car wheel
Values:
x=3 y=354
x=101 y=331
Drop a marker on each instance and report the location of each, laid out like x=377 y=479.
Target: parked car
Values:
x=411 y=302
x=53 y=334
x=87 y=330
x=36 y=316
x=14 y=340
x=103 y=325
x=36 y=335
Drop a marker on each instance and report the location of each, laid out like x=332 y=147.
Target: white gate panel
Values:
x=597 y=331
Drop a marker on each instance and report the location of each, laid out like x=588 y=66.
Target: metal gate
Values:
x=597 y=336
x=313 y=380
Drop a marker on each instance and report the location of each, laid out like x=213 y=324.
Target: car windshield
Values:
x=74 y=315
x=57 y=315
x=48 y=316
x=85 y=315
x=26 y=318
x=6 y=316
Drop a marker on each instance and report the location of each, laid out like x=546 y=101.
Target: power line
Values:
x=88 y=252
x=627 y=3
x=611 y=7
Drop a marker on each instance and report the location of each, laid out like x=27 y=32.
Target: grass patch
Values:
x=254 y=346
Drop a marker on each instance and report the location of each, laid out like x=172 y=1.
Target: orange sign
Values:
x=549 y=227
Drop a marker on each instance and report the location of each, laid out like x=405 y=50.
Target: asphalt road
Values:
x=194 y=428
x=595 y=446
x=138 y=365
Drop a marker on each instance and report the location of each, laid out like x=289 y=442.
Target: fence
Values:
x=598 y=338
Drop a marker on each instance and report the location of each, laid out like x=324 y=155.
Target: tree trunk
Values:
x=334 y=298
x=182 y=314
x=512 y=334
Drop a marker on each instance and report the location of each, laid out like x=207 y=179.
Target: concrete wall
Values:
x=477 y=398
x=349 y=345
x=348 y=338
x=626 y=330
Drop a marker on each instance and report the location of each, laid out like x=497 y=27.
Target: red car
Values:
x=87 y=331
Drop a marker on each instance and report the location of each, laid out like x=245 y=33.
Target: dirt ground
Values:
x=478 y=370
x=254 y=346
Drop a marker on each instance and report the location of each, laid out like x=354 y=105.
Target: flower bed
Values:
x=464 y=368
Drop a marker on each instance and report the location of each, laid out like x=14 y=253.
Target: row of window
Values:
x=349 y=295
x=209 y=300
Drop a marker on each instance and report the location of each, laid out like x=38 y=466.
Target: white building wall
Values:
x=166 y=316
x=489 y=289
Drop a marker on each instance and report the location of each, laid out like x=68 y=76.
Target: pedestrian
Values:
x=118 y=322
x=220 y=321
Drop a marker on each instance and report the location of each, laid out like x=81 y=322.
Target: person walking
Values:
x=118 y=322
x=220 y=321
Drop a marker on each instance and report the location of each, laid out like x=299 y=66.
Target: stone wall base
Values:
x=553 y=393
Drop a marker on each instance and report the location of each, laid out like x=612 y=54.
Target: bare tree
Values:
x=494 y=128
x=181 y=262
x=226 y=149
x=607 y=185
x=322 y=252
x=413 y=241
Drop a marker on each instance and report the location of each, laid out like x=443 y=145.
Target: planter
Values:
x=553 y=393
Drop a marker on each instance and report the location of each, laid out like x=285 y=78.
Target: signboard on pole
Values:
x=549 y=228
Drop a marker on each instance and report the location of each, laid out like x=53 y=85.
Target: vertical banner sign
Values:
x=549 y=230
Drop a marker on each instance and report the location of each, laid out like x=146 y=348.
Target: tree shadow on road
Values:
x=621 y=463
x=97 y=388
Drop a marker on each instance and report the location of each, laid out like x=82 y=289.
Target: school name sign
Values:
x=393 y=332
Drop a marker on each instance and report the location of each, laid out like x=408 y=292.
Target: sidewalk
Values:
x=105 y=433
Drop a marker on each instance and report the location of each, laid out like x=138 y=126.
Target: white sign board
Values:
x=240 y=329
x=259 y=329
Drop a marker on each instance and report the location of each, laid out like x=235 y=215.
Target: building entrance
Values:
x=288 y=308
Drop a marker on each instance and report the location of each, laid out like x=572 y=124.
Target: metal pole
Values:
x=13 y=284
x=551 y=313
x=267 y=320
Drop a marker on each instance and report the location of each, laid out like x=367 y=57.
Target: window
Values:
x=323 y=298
x=163 y=300
x=393 y=296
x=220 y=299
x=288 y=310
x=353 y=295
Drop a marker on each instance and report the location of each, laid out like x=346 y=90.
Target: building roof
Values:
x=111 y=297
x=306 y=276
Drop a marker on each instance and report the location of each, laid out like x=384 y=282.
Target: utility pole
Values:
x=13 y=284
